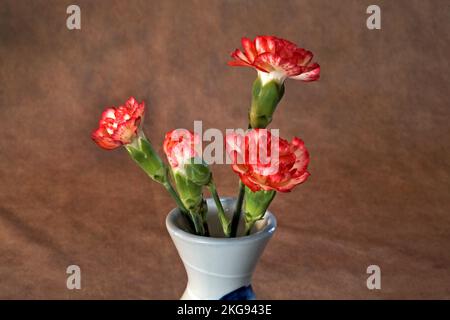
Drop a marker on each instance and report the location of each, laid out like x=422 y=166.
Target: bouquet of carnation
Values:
x=220 y=239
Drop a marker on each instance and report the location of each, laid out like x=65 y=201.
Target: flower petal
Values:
x=311 y=74
x=278 y=57
x=249 y=49
x=104 y=140
x=264 y=44
x=179 y=146
x=293 y=183
x=239 y=56
x=305 y=57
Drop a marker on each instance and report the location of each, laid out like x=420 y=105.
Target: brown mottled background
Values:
x=376 y=124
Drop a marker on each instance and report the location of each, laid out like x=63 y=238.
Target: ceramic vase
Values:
x=219 y=268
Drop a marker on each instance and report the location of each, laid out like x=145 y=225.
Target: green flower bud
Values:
x=256 y=204
x=190 y=193
x=145 y=156
x=198 y=173
x=265 y=99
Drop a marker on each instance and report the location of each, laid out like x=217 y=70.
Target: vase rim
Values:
x=266 y=231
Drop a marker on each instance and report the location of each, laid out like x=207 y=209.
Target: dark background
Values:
x=376 y=125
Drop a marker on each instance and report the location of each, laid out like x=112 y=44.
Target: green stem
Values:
x=198 y=224
x=194 y=217
x=180 y=205
x=175 y=196
x=224 y=221
x=142 y=152
x=238 y=210
x=248 y=227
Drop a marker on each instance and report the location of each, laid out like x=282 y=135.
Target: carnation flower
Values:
x=283 y=166
x=119 y=126
x=276 y=59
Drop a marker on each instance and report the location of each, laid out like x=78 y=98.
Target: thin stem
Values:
x=175 y=196
x=198 y=224
x=144 y=155
x=224 y=221
x=180 y=205
x=237 y=210
x=249 y=227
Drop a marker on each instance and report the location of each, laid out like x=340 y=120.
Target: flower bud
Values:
x=275 y=59
x=265 y=98
x=179 y=147
x=145 y=156
x=199 y=173
x=190 y=193
x=256 y=204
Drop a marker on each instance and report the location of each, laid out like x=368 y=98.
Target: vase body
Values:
x=219 y=267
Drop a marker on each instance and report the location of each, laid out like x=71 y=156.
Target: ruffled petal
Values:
x=125 y=132
x=239 y=63
x=267 y=62
x=179 y=146
x=312 y=73
x=119 y=125
x=248 y=181
x=109 y=113
x=239 y=56
x=278 y=57
x=249 y=49
x=264 y=44
x=283 y=168
x=290 y=184
x=104 y=140
x=305 y=57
